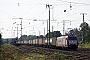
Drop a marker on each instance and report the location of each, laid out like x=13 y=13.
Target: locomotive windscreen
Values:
x=72 y=38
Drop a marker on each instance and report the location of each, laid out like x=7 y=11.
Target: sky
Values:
x=35 y=16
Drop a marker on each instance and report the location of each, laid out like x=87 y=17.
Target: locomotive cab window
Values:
x=72 y=38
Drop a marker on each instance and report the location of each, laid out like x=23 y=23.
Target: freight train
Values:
x=62 y=42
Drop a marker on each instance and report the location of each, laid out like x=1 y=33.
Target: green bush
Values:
x=86 y=45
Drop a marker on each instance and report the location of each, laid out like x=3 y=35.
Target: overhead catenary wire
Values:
x=68 y=9
x=40 y=14
x=74 y=2
x=32 y=8
x=41 y=0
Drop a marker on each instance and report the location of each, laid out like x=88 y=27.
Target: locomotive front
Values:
x=72 y=42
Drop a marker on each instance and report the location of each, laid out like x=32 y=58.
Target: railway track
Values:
x=80 y=54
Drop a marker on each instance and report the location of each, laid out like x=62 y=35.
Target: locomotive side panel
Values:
x=59 y=41
x=62 y=41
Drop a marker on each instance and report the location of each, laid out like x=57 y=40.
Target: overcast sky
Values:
x=31 y=10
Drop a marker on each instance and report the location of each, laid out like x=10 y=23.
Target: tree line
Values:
x=31 y=37
x=84 y=32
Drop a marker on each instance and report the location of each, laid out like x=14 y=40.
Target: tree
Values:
x=84 y=30
x=88 y=35
x=84 y=26
x=24 y=37
x=54 y=34
x=77 y=32
x=30 y=37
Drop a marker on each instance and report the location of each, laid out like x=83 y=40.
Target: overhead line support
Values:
x=47 y=5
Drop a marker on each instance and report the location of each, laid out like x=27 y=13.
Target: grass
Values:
x=10 y=53
x=86 y=45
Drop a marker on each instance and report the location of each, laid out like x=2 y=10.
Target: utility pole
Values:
x=44 y=31
x=49 y=22
x=21 y=27
x=52 y=31
x=52 y=28
x=47 y=32
x=64 y=26
x=17 y=31
x=83 y=37
x=39 y=33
